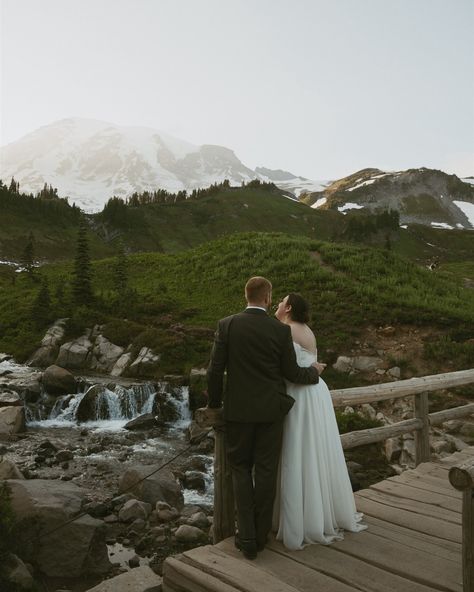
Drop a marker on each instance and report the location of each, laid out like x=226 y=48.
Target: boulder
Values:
x=195 y=433
x=394 y=372
x=366 y=363
x=161 y=486
x=90 y=407
x=197 y=388
x=75 y=354
x=12 y=420
x=134 y=509
x=30 y=389
x=195 y=480
x=190 y=535
x=17 y=573
x=393 y=449
x=343 y=364
x=10 y=399
x=140 y=579
x=142 y=422
x=76 y=549
x=121 y=364
x=199 y=520
x=48 y=351
x=58 y=381
x=9 y=470
x=144 y=363
x=105 y=354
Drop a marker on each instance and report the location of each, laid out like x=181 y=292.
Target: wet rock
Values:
x=89 y=407
x=195 y=480
x=134 y=561
x=134 y=509
x=190 y=535
x=195 y=433
x=141 y=579
x=12 y=420
x=64 y=455
x=161 y=486
x=75 y=550
x=142 y=422
x=10 y=399
x=30 y=389
x=58 y=381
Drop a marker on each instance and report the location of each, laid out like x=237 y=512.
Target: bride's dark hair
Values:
x=299 y=308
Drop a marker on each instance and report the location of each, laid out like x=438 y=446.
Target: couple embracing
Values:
x=283 y=446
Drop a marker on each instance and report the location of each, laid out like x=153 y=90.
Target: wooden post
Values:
x=422 y=435
x=224 y=510
x=462 y=478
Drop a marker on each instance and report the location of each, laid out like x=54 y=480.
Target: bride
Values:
x=314 y=500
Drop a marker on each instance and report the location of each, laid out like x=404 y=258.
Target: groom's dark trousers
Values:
x=257 y=352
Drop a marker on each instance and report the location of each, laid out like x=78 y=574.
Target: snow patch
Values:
x=363 y=184
x=349 y=206
x=442 y=225
x=319 y=202
x=467 y=209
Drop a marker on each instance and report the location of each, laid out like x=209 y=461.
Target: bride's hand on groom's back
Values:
x=319 y=367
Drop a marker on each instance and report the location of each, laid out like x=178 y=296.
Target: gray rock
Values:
x=366 y=363
x=134 y=509
x=195 y=480
x=145 y=362
x=393 y=449
x=368 y=411
x=17 y=573
x=10 y=399
x=343 y=364
x=142 y=422
x=105 y=354
x=141 y=579
x=121 y=364
x=58 y=381
x=190 y=534
x=64 y=455
x=394 y=372
x=75 y=354
x=453 y=425
x=76 y=549
x=12 y=420
x=9 y=470
x=199 y=520
x=194 y=432
x=48 y=351
x=161 y=486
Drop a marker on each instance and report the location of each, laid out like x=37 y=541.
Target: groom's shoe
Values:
x=247 y=546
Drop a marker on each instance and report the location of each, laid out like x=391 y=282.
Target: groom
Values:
x=257 y=351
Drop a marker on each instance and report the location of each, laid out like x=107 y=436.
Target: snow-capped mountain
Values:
x=90 y=161
x=423 y=196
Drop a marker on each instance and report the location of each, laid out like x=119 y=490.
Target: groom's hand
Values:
x=319 y=367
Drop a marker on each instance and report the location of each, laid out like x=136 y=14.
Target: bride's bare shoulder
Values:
x=303 y=335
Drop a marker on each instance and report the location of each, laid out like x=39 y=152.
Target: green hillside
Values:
x=174 y=300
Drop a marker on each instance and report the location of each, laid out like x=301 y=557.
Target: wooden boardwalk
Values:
x=413 y=544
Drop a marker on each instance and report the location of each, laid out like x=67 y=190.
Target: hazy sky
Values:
x=318 y=87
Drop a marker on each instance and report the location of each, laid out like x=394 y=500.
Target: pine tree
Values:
x=27 y=259
x=82 y=274
x=120 y=271
x=41 y=313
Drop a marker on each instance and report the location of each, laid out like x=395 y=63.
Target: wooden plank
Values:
x=353 y=571
x=405 y=491
x=435 y=469
x=426 y=524
x=241 y=573
x=180 y=577
x=288 y=569
x=426 y=483
x=418 y=508
x=421 y=567
x=414 y=539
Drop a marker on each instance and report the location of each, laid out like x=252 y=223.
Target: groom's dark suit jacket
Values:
x=258 y=352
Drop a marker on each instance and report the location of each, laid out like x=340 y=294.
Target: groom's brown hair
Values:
x=257 y=288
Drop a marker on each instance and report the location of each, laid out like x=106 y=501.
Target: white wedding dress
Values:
x=314 y=500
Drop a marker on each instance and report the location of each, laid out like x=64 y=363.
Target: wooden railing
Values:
x=462 y=478
x=224 y=515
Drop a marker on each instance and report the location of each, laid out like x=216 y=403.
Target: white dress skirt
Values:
x=314 y=501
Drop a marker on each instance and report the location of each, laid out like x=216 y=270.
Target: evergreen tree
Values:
x=82 y=274
x=120 y=271
x=41 y=313
x=27 y=259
